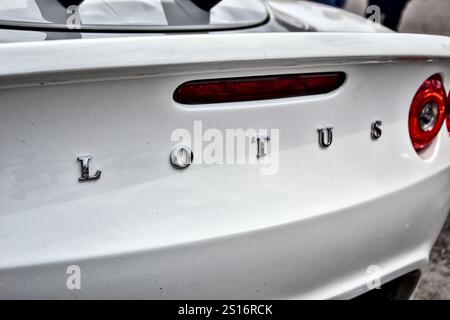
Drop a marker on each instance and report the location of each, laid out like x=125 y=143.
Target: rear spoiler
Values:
x=29 y=62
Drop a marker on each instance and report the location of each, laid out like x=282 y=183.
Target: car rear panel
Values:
x=147 y=230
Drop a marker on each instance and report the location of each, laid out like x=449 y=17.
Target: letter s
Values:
x=376 y=130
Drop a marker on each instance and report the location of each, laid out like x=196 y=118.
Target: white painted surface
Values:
x=89 y=55
x=146 y=230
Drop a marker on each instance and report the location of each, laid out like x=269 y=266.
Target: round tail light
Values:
x=428 y=112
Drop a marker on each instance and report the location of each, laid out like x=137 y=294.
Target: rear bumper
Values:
x=322 y=257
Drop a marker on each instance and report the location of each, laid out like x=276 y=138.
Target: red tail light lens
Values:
x=448 y=113
x=427 y=113
x=257 y=88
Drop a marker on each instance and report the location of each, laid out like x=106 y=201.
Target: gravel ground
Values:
x=430 y=17
x=436 y=280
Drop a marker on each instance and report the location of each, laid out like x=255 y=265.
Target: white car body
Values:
x=147 y=230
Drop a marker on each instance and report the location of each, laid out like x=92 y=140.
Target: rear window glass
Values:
x=134 y=14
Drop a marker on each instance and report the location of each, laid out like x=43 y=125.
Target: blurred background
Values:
x=418 y=16
x=429 y=17
x=414 y=16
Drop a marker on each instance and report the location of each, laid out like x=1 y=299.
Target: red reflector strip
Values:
x=257 y=88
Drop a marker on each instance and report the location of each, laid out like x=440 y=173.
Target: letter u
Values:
x=325 y=137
